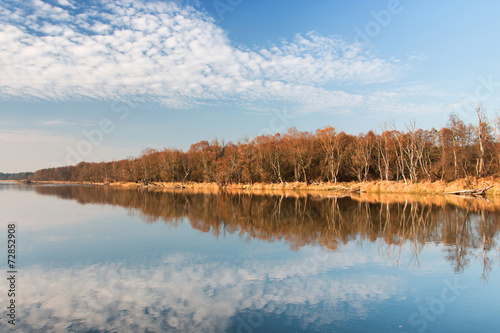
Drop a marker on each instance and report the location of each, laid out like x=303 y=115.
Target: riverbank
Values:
x=437 y=187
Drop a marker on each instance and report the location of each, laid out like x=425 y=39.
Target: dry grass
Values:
x=437 y=187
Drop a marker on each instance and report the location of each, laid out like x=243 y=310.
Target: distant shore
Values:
x=437 y=187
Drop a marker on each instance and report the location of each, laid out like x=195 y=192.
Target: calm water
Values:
x=98 y=259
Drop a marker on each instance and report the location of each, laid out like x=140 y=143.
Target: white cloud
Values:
x=175 y=55
x=66 y=3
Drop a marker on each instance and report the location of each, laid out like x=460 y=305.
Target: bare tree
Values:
x=481 y=133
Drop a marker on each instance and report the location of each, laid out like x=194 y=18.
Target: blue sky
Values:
x=102 y=80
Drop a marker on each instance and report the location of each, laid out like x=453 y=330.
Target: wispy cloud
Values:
x=55 y=122
x=25 y=136
x=409 y=99
x=170 y=54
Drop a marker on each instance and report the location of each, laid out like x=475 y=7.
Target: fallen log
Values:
x=353 y=189
x=473 y=192
x=341 y=188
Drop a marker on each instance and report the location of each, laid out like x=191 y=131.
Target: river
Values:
x=106 y=259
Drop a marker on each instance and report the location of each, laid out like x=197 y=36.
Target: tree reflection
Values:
x=467 y=228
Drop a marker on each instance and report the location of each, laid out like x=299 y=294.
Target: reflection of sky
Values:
x=96 y=267
x=189 y=293
x=40 y=212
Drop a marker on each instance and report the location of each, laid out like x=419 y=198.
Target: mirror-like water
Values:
x=101 y=259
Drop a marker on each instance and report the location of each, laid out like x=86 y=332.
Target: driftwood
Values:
x=353 y=189
x=176 y=186
x=337 y=188
x=474 y=192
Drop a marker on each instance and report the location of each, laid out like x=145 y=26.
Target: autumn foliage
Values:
x=326 y=155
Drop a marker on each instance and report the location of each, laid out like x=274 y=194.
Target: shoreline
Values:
x=372 y=187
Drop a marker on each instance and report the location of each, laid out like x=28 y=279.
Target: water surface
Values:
x=102 y=259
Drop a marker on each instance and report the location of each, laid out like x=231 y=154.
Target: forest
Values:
x=16 y=176
x=458 y=150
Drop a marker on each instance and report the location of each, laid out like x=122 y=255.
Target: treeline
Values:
x=456 y=151
x=16 y=176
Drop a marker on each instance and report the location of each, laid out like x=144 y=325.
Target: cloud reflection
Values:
x=190 y=293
